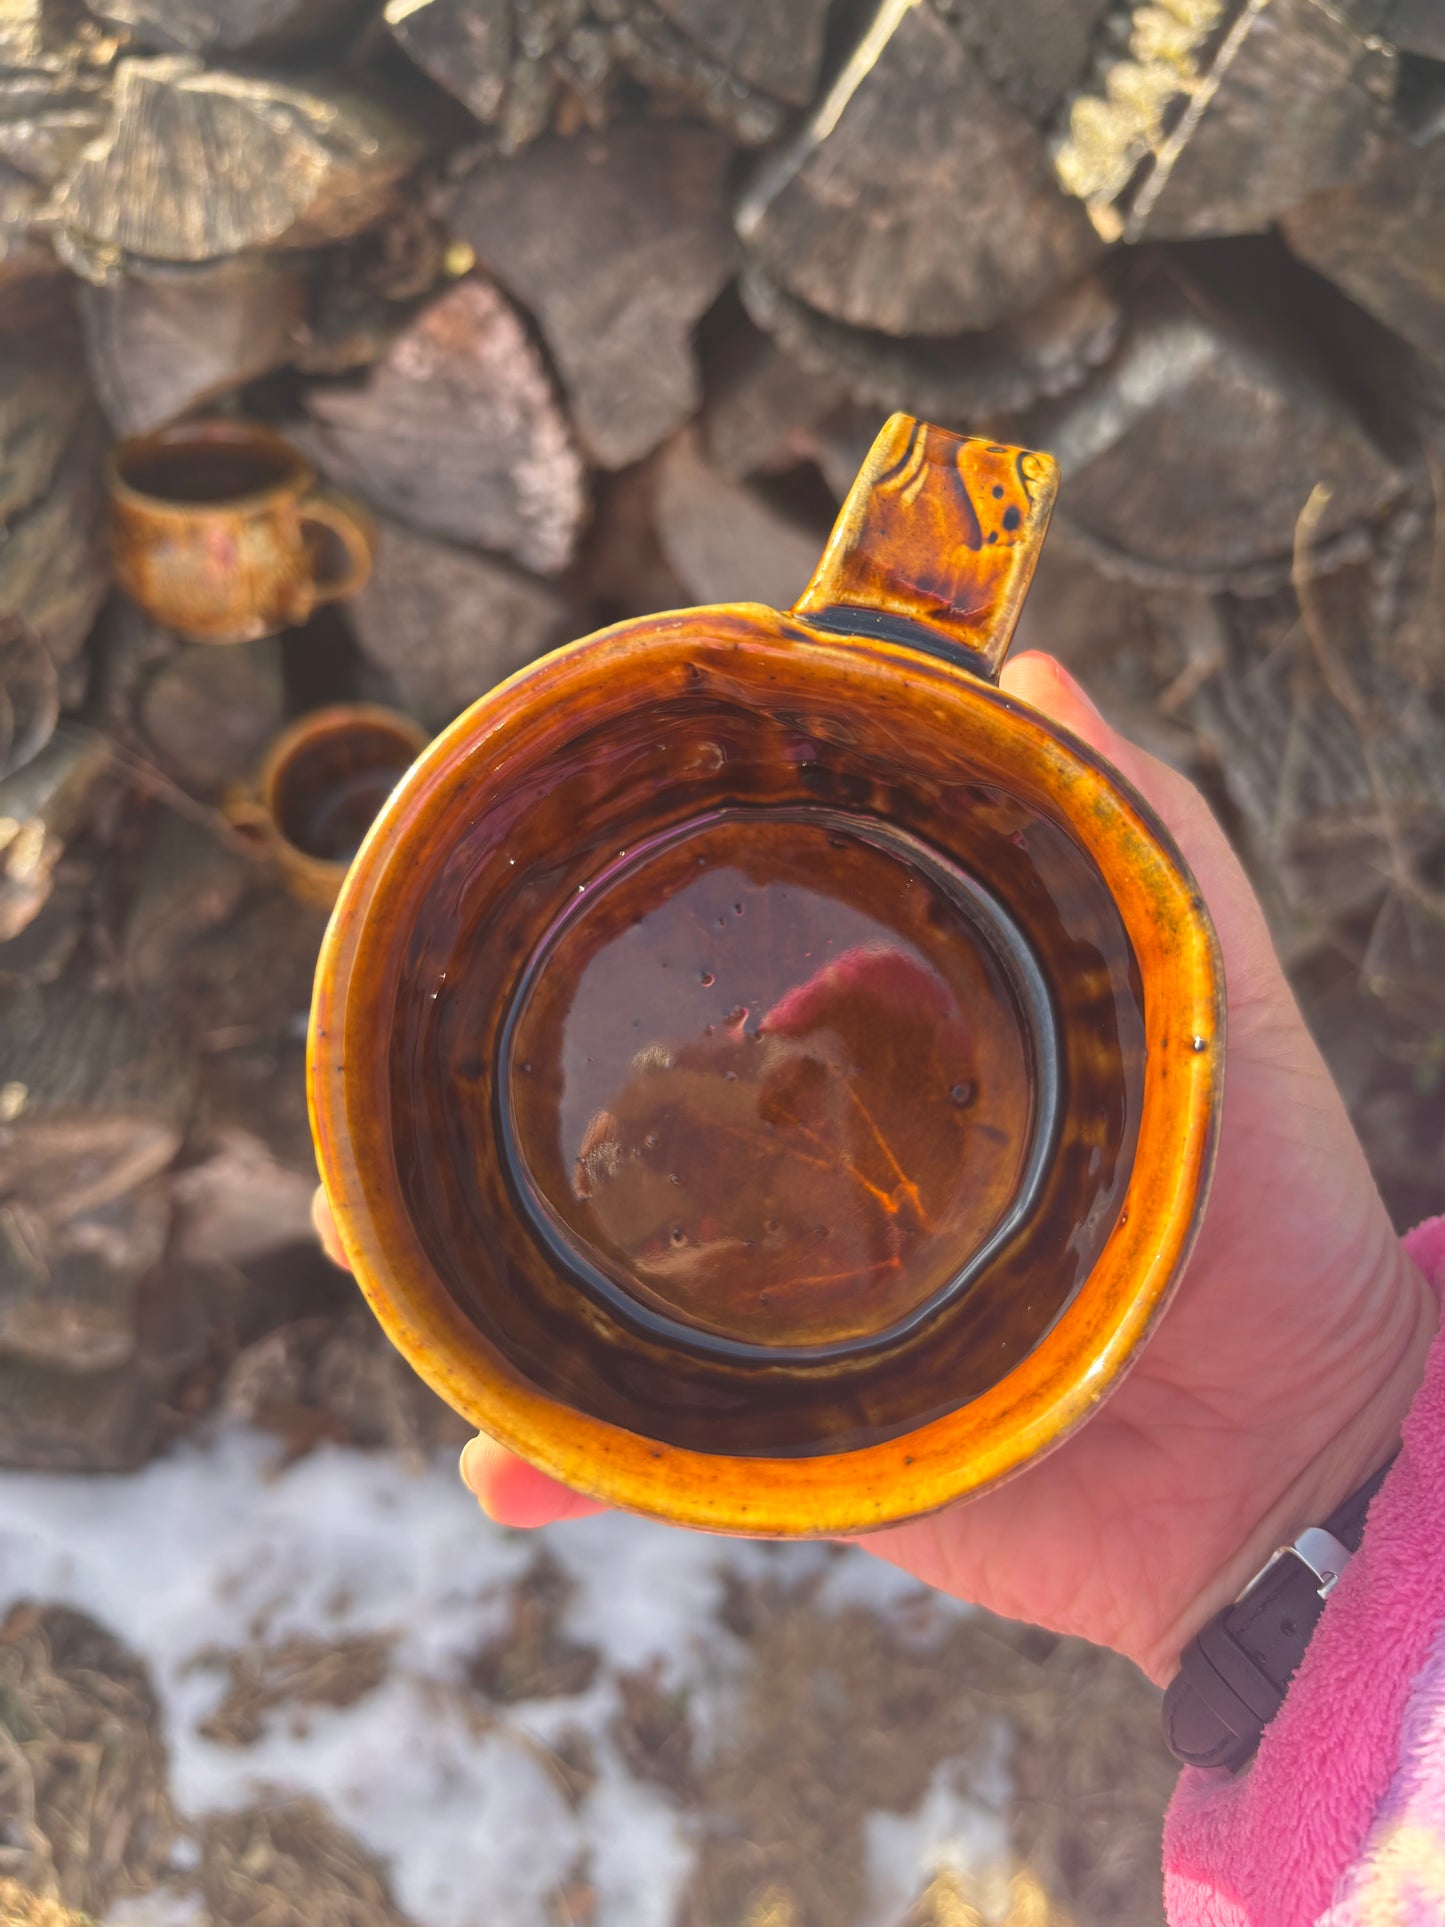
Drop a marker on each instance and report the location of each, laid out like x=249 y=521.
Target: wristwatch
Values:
x=1233 y=1677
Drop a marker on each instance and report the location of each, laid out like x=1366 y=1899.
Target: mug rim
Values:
x=298 y=735
x=1042 y=1398
x=298 y=480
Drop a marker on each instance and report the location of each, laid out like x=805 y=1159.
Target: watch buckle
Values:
x=1324 y=1554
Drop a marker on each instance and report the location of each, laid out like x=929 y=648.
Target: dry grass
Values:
x=82 y=1764
x=21 y=1908
x=287 y=1863
x=842 y=1715
x=533 y=1659
x=297 y=1672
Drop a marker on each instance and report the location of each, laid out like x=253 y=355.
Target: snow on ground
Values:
x=208 y=1547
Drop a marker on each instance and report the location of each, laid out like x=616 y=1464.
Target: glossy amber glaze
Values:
x=772 y=1077
x=219 y=531
x=767 y=1077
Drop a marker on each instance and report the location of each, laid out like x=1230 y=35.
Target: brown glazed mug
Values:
x=318 y=790
x=220 y=531
x=761 y=1073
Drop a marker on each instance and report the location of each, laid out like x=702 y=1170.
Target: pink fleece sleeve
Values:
x=1340 y=1819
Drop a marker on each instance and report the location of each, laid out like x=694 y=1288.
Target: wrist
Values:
x=1352 y=1429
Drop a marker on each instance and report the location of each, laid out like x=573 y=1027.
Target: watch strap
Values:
x=1233 y=1677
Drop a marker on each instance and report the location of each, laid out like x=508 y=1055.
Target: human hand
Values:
x=1276 y=1382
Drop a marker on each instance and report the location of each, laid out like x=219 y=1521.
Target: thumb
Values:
x=515 y=1493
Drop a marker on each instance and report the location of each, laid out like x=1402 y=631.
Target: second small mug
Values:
x=219 y=530
x=319 y=789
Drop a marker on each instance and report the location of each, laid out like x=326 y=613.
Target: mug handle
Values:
x=935 y=545
x=248 y=818
x=354 y=529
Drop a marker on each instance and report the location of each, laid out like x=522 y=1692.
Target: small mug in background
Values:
x=320 y=787
x=219 y=530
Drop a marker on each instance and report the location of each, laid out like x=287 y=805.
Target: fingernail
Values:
x=467 y=1465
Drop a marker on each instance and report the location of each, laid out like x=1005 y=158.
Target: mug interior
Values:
x=763 y=1070
x=329 y=780
x=206 y=465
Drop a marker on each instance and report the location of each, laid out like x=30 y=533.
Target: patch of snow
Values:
x=209 y=1547
x=955 y=1828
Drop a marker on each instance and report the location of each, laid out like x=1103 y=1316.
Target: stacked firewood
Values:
x=596 y=304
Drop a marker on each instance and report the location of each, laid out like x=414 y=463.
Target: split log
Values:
x=337 y=1380
x=207 y=714
x=966 y=378
x=257 y=1089
x=1417 y=27
x=188 y=882
x=57 y=1421
x=1033 y=51
x=523 y=68
x=617 y=243
x=761 y=402
x=1382 y=239
x=365 y=293
x=239 y=1202
x=241 y=993
x=1218 y=123
x=54 y=63
x=446 y=624
x=43 y=805
x=517 y=65
x=773 y=45
x=228 y=26
x=162 y=341
x=457 y=431
x=1105 y=631
x=44 y=125
x=29 y=698
x=42 y=399
x=841 y=443
x=1207 y=404
x=465 y=45
x=69 y=1293
x=25 y=258
x=622 y=571
x=44 y=949
x=649 y=47
x=728 y=543
x=54 y=571
x=1335 y=765
x=915 y=201
x=199 y=162
x=96 y=1095
x=106 y=1421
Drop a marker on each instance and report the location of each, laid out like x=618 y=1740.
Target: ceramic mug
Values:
x=318 y=790
x=219 y=530
x=761 y=1073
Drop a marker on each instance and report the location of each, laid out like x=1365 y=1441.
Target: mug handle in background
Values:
x=354 y=529
x=249 y=821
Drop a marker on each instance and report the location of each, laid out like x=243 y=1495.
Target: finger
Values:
x=325 y=1227
x=1251 y=967
x=515 y=1493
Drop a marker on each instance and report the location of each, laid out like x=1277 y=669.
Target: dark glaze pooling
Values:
x=510 y=867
